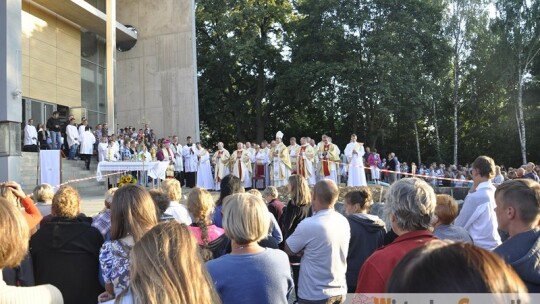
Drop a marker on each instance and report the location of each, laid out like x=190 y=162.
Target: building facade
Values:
x=53 y=58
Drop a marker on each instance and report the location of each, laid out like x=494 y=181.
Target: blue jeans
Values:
x=56 y=139
x=73 y=151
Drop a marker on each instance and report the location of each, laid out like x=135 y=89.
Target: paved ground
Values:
x=93 y=198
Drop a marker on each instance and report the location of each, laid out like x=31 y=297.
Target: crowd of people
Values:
x=249 y=247
x=257 y=165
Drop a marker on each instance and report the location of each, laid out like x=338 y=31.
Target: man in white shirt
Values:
x=87 y=146
x=323 y=242
x=30 y=137
x=82 y=127
x=72 y=135
x=478 y=216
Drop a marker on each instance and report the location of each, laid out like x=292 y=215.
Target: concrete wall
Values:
x=156 y=80
x=51 y=58
x=10 y=104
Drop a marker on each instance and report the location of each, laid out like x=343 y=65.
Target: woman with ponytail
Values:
x=211 y=239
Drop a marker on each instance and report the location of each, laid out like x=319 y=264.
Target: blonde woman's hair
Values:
x=7 y=193
x=43 y=193
x=201 y=207
x=132 y=212
x=172 y=189
x=300 y=193
x=255 y=192
x=14 y=235
x=66 y=202
x=245 y=218
x=271 y=191
x=166 y=267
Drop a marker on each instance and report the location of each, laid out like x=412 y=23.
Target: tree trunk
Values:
x=437 y=138
x=521 y=119
x=417 y=144
x=456 y=103
x=259 y=95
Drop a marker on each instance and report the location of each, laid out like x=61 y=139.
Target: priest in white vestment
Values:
x=220 y=160
x=328 y=159
x=204 y=170
x=293 y=154
x=355 y=163
x=281 y=164
x=305 y=161
x=189 y=152
x=241 y=165
x=176 y=148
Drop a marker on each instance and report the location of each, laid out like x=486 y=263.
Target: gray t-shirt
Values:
x=324 y=237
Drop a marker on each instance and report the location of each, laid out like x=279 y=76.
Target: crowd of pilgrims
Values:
x=155 y=246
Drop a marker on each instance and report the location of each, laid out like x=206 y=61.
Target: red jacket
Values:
x=379 y=266
x=31 y=213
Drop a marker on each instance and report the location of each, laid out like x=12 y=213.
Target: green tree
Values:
x=518 y=24
x=239 y=47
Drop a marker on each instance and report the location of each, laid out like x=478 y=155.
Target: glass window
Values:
x=36 y=113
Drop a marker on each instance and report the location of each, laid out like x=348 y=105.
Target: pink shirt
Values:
x=214 y=232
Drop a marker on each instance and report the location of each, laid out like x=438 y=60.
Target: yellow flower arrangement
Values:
x=126 y=180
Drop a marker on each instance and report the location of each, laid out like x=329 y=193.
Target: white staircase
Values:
x=71 y=170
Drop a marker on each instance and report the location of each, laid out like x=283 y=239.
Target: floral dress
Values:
x=114 y=262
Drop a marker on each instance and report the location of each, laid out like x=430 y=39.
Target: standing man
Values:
x=374 y=161
x=82 y=127
x=392 y=165
x=293 y=153
x=518 y=212
x=305 y=161
x=105 y=130
x=323 y=242
x=329 y=157
x=176 y=148
x=30 y=137
x=366 y=164
x=190 y=162
x=220 y=160
x=355 y=160
x=54 y=127
x=281 y=164
x=72 y=135
x=477 y=215
x=241 y=165
x=87 y=146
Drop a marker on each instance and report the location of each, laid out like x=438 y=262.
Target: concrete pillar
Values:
x=156 y=81
x=111 y=62
x=10 y=89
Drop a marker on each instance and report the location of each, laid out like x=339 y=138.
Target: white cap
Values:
x=279 y=134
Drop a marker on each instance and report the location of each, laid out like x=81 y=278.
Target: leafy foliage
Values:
x=376 y=68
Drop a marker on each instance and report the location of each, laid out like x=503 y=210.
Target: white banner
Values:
x=51 y=168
